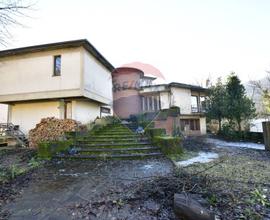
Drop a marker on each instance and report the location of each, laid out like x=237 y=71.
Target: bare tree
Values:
x=261 y=88
x=10 y=13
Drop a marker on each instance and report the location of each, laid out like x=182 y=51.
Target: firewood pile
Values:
x=50 y=129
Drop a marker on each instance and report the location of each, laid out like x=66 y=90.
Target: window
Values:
x=203 y=104
x=143 y=103
x=194 y=104
x=150 y=103
x=190 y=124
x=57 y=65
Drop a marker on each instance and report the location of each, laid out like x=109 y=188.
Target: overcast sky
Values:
x=187 y=40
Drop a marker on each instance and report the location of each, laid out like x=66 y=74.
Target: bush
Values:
x=144 y=119
x=153 y=132
x=46 y=150
x=228 y=131
x=101 y=123
x=112 y=120
x=169 y=145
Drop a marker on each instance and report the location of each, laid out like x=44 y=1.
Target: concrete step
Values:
x=115 y=132
x=111 y=140
x=114 y=144
x=117 y=149
x=111 y=156
x=115 y=136
x=116 y=129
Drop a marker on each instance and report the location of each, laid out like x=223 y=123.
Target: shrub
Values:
x=97 y=128
x=169 y=145
x=101 y=123
x=228 y=131
x=71 y=134
x=144 y=119
x=153 y=132
x=49 y=148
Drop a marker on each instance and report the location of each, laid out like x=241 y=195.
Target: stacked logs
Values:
x=50 y=129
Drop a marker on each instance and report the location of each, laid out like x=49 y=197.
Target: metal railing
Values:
x=197 y=109
x=9 y=129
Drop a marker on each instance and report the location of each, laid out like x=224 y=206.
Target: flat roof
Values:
x=59 y=45
x=179 y=85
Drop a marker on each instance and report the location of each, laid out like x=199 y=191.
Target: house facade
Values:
x=73 y=80
x=64 y=80
x=134 y=93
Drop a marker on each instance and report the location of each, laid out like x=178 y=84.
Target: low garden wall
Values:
x=169 y=145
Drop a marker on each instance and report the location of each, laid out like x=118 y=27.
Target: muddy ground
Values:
x=235 y=186
x=16 y=169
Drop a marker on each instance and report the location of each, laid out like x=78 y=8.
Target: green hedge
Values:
x=49 y=148
x=169 y=145
x=153 y=132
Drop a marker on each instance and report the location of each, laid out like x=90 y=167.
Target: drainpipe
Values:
x=199 y=102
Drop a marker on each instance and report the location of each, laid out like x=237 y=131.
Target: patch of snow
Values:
x=222 y=143
x=73 y=174
x=203 y=157
x=148 y=166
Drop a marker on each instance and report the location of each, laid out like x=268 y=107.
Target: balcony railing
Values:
x=196 y=109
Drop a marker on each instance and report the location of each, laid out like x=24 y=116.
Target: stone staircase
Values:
x=113 y=141
x=132 y=126
x=11 y=130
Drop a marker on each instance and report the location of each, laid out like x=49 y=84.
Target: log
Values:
x=189 y=209
x=50 y=129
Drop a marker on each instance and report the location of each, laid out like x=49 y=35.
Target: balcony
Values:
x=198 y=109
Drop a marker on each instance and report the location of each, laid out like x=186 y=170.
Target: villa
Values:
x=73 y=80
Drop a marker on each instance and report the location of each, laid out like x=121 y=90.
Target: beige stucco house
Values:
x=3 y=113
x=65 y=80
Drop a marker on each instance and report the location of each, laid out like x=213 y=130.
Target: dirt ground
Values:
x=234 y=186
x=87 y=189
x=16 y=168
x=237 y=185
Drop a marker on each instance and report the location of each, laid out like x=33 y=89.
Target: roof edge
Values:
x=59 y=45
x=178 y=85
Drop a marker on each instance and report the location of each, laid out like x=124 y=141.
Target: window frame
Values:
x=55 y=73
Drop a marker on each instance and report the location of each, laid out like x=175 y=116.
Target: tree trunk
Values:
x=219 y=125
x=266 y=134
x=239 y=126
